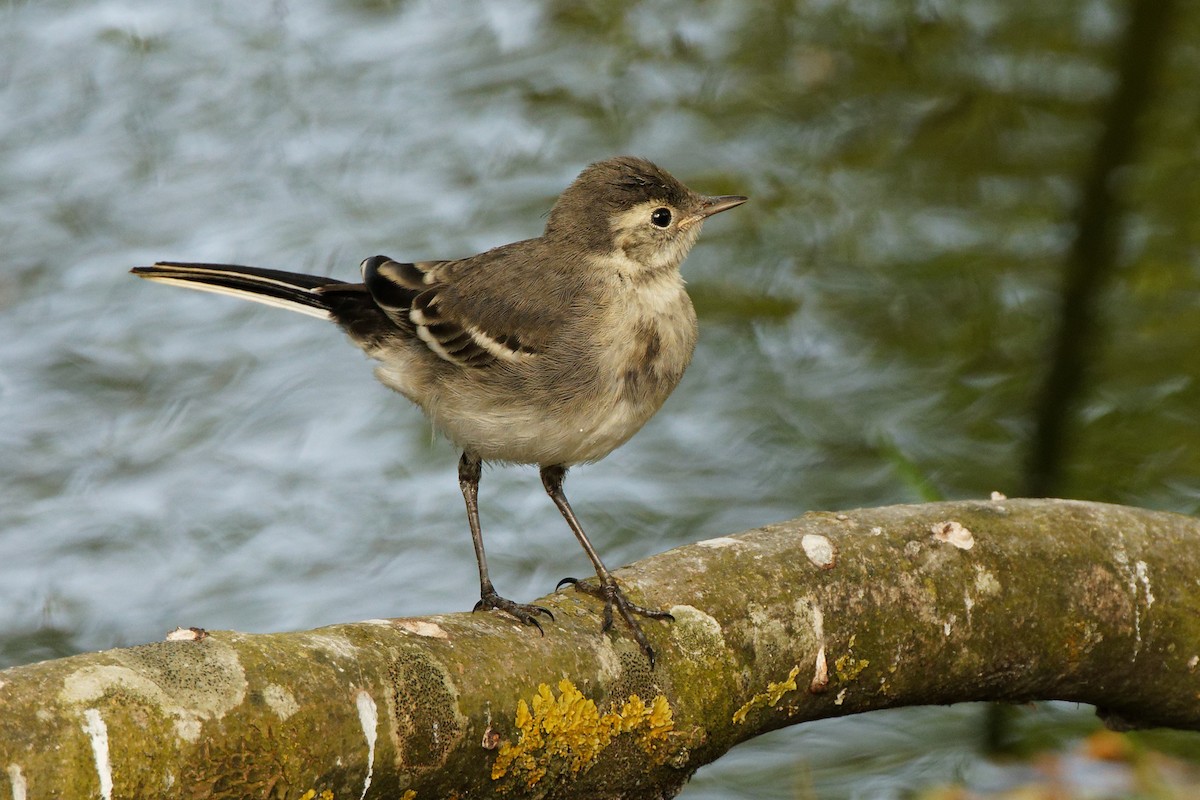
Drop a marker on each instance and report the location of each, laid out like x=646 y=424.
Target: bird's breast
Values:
x=650 y=339
x=640 y=356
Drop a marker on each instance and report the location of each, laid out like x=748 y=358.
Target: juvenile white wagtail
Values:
x=550 y=351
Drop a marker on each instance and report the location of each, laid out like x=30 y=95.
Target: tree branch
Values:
x=826 y=615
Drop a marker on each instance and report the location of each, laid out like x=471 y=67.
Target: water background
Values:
x=875 y=322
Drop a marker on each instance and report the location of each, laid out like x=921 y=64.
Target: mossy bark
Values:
x=825 y=615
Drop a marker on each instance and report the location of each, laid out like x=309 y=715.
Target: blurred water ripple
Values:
x=169 y=459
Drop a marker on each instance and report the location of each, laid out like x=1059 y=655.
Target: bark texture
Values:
x=825 y=615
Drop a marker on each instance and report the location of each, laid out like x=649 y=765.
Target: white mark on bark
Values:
x=954 y=533
x=1143 y=575
x=420 y=627
x=1140 y=574
x=720 y=541
x=187 y=635
x=17 y=781
x=1137 y=578
x=985 y=581
x=331 y=643
x=280 y=700
x=97 y=731
x=820 y=679
x=368 y=716
x=819 y=549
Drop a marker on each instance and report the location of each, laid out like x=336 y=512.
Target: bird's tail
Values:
x=290 y=290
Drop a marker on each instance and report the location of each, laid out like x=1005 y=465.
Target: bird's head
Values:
x=634 y=210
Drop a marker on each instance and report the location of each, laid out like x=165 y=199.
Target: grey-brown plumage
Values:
x=550 y=351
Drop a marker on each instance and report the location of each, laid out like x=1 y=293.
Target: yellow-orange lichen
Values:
x=568 y=732
x=768 y=698
x=848 y=667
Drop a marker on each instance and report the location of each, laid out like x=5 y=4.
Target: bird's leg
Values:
x=469 y=468
x=608 y=590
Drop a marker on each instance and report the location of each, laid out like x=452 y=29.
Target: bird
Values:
x=551 y=351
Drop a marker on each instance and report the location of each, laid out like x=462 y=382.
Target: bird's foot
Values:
x=523 y=612
x=613 y=597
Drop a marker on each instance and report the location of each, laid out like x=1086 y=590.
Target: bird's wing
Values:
x=475 y=311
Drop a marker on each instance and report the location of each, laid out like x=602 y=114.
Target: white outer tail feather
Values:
x=244 y=294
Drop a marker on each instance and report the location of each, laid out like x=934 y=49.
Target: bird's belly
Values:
x=538 y=435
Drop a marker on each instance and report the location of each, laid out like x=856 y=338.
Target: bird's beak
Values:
x=715 y=205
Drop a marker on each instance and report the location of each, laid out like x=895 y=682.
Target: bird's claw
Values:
x=523 y=612
x=612 y=596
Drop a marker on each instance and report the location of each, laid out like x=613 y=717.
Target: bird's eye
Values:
x=660 y=217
